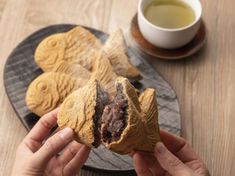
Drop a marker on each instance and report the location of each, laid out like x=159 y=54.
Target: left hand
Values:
x=33 y=158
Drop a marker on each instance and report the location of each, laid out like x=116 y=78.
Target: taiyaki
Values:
x=79 y=46
x=59 y=85
x=123 y=124
x=81 y=111
x=75 y=46
x=74 y=70
x=115 y=50
x=49 y=90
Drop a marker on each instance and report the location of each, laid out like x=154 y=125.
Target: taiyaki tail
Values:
x=115 y=50
x=149 y=109
x=103 y=72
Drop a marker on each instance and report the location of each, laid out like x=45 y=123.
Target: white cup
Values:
x=169 y=38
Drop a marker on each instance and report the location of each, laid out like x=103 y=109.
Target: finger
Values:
x=69 y=152
x=172 y=142
x=53 y=146
x=77 y=162
x=178 y=146
x=40 y=131
x=152 y=163
x=141 y=166
x=170 y=162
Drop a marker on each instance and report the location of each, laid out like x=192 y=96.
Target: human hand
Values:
x=173 y=157
x=33 y=158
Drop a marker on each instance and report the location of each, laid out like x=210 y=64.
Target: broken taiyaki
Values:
x=123 y=124
x=115 y=49
x=48 y=91
x=130 y=123
x=81 y=111
x=77 y=46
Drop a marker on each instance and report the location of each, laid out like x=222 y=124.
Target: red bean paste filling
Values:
x=101 y=101
x=114 y=118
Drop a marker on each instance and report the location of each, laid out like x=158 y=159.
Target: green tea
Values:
x=169 y=13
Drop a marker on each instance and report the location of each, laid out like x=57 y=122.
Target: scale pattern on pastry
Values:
x=75 y=46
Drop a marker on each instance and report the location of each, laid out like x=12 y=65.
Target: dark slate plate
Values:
x=20 y=70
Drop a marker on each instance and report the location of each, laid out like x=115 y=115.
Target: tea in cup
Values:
x=169 y=24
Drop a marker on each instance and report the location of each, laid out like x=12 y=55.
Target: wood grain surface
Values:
x=204 y=83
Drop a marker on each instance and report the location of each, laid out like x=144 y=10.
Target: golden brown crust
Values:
x=103 y=72
x=77 y=112
x=74 y=70
x=141 y=133
x=115 y=50
x=75 y=46
x=149 y=111
x=48 y=91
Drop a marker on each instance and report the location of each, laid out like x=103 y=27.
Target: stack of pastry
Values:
x=89 y=81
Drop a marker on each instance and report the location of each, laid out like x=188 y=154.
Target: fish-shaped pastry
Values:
x=79 y=46
x=123 y=124
x=74 y=70
x=75 y=46
x=48 y=91
x=115 y=49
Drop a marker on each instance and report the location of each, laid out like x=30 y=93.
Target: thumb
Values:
x=170 y=162
x=53 y=146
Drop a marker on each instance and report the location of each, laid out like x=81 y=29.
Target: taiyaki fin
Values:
x=103 y=72
x=115 y=50
x=75 y=70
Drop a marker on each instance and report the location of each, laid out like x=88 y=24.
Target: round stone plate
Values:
x=20 y=70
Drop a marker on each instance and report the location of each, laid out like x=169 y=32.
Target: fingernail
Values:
x=160 y=148
x=66 y=134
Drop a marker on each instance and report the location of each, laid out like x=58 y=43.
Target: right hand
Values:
x=172 y=157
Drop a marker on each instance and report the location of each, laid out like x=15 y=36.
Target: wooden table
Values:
x=204 y=83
